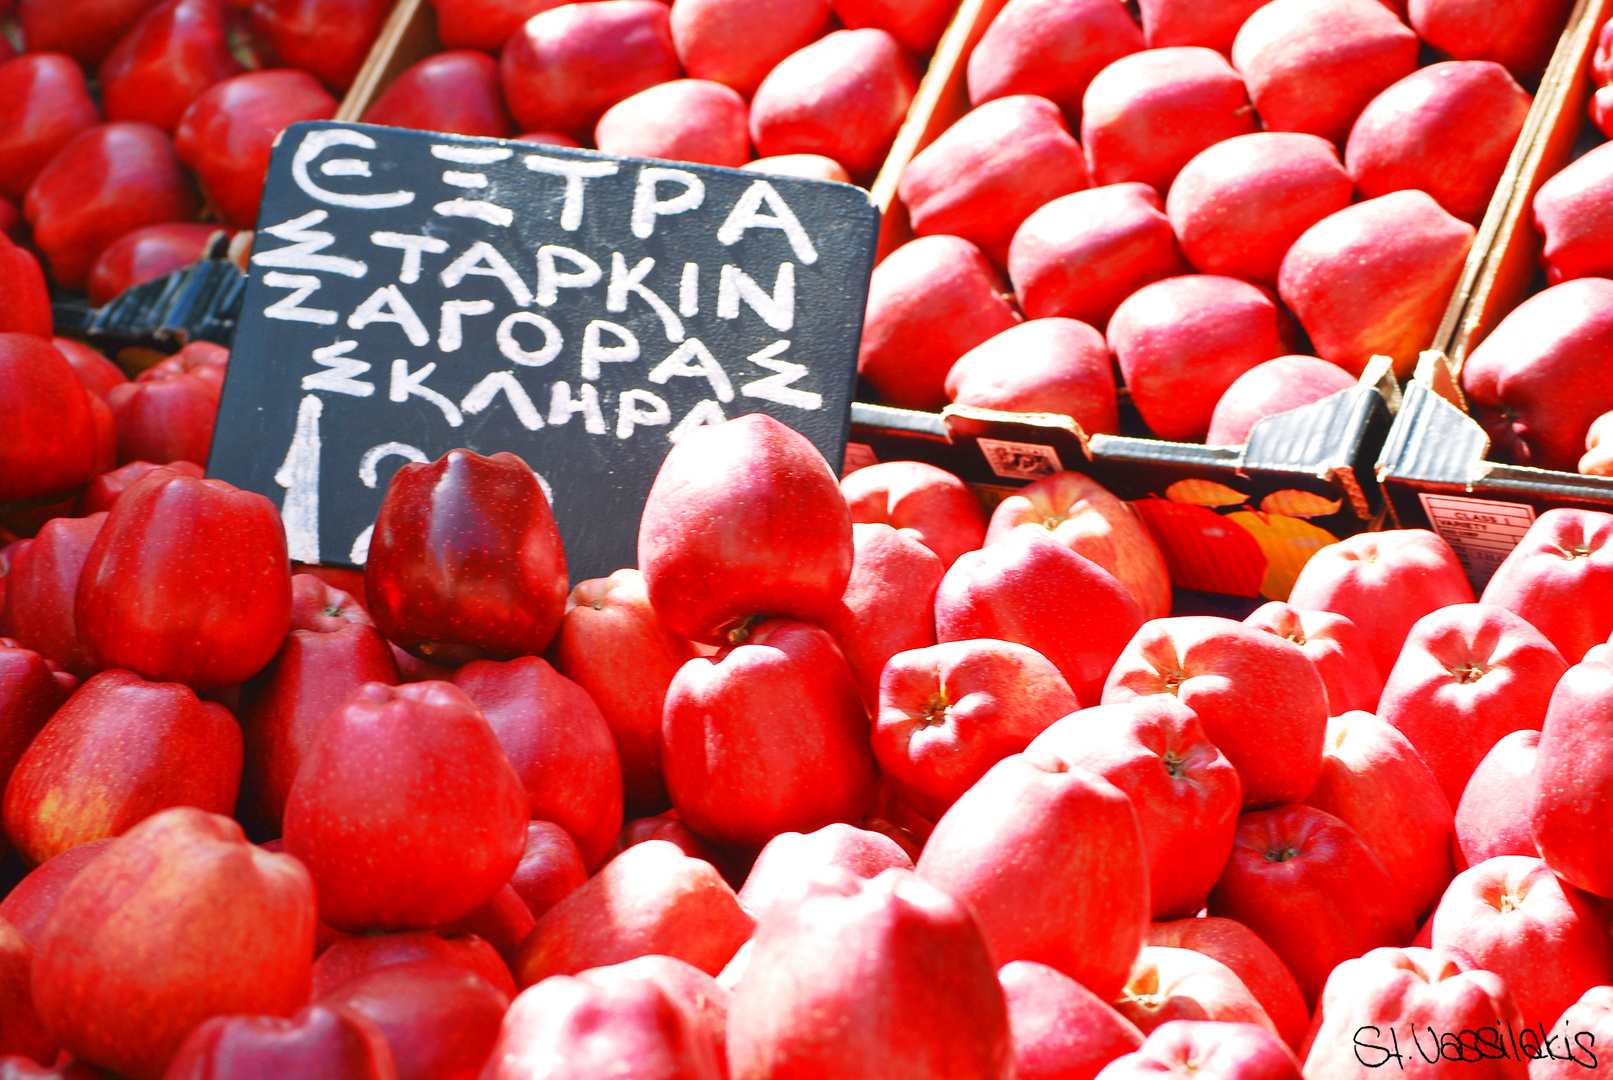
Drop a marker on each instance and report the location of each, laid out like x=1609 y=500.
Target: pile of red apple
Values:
x=908 y=793
x=1168 y=200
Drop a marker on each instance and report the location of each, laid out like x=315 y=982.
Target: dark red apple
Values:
x=684 y=120
x=21 y=1032
x=737 y=42
x=551 y=867
x=351 y=957
x=565 y=66
x=1239 y=206
x=322 y=1042
x=44 y=103
x=27 y=309
x=30 y=903
x=178 y=49
x=917 y=24
x=929 y=302
x=329 y=39
x=1210 y=23
x=484 y=24
x=41 y=589
x=1570 y=214
x=455 y=91
x=1520 y=34
x=1082 y=254
x=439 y=1020
x=147 y=254
x=105 y=490
x=168 y=412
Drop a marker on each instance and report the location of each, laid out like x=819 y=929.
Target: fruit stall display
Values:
x=868 y=769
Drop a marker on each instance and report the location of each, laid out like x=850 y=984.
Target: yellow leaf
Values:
x=1300 y=504
x=1204 y=493
x=1288 y=544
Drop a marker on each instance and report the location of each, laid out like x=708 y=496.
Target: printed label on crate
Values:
x=1482 y=532
x=412 y=292
x=1020 y=461
x=858 y=456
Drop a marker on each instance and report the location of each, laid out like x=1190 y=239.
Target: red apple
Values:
x=684 y=120
x=1550 y=578
x=551 y=867
x=926 y=503
x=329 y=39
x=1259 y=697
x=85 y=29
x=889 y=605
x=504 y=922
x=737 y=43
x=44 y=103
x=1250 y=959
x=652 y=898
x=929 y=302
x=120 y=750
x=1467 y=675
x=1497 y=805
x=1513 y=916
x=745 y=520
x=322 y=1042
x=666 y=827
x=988 y=172
x=1588 y=1022
x=1208 y=1050
x=1210 y=23
x=227 y=134
x=466 y=562
x=1553 y=339
x=1375 y=277
x=130 y=961
x=484 y=24
x=168 y=412
x=1087 y=519
x=1041 y=366
x=901 y=966
x=313 y=673
x=1273 y=387
x=1374 y=1001
x=1185 y=791
x=217 y=555
x=27 y=308
x=1376 y=783
x=108 y=181
x=613 y=645
x=805 y=166
x=1146 y=115
x=766 y=737
x=1239 y=206
x=1335 y=645
x=439 y=1020
x=1446 y=129
x=405 y=810
x=1180 y=984
x=1082 y=254
x=147 y=254
x=352 y=957
x=455 y=91
x=1313 y=65
x=1051 y=48
x=1061 y=1030
x=29 y=905
x=178 y=49
x=105 y=490
x=1183 y=341
x=1572 y=780
x=1051 y=860
x=565 y=66
x=917 y=24
x=1383 y=582
x=791 y=860
x=559 y=744
x=1030 y=589
x=21 y=1032
x=844 y=96
x=41 y=587
x=1310 y=886
x=32 y=688
x=1520 y=34
x=949 y=712
x=628 y=1018
x=1570 y=214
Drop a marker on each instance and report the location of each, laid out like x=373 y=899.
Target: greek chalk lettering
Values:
x=484 y=260
x=707 y=412
x=287 y=308
x=512 y=349
x=451 y=330
x=694 y=359
x=502 y=382
x=595 y=352
x=376 y=454
x=303 y=245
x=341 y=374
x=413 y=246
x=316 y=143
x=648 y=205
x=625 y=282
x=299 y=475
x=640 y=408
x=407 y=384
x=551 y=280
x=777 y=310
x=779 y=388
x=562 y=407
x=388 y=305
x=577 y=173
x=747 y=214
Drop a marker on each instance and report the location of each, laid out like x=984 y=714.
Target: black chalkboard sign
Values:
x=412 y=292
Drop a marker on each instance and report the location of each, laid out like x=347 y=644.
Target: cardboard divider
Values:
x=1434 y=467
